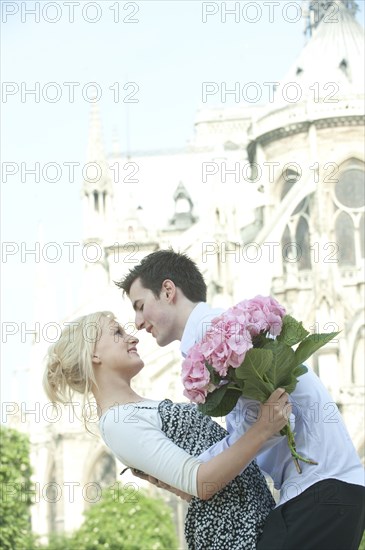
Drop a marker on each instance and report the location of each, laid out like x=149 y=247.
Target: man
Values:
x=320 y=509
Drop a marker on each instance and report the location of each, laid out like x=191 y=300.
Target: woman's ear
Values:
x=96 y=360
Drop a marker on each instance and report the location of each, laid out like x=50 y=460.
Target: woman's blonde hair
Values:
x=69 y=366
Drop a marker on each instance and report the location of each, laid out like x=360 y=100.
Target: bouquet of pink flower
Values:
x=238 y=356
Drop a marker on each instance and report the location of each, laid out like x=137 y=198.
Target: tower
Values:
x=98 y=215
x=314 y=207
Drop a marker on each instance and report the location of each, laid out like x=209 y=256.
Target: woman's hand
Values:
x=274 y=413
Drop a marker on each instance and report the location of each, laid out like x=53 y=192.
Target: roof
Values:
x=334 y=53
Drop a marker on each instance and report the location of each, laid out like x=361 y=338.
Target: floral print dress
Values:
x=233 y=518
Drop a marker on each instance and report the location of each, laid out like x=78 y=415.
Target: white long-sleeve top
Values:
x=134 y=435
x=320 y=432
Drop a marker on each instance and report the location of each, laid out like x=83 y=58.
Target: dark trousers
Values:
x=329 y=515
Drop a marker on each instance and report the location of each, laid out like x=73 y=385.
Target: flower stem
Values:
x=291 y=443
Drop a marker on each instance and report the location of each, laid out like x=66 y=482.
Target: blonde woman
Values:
x=230 y=498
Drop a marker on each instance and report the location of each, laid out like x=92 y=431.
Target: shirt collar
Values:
x=189 y=335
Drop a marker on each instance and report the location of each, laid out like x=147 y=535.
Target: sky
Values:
x=154 y=54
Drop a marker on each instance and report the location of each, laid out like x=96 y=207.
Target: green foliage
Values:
x=362 y=543
x=292 y=332
x=16 y=496
x=217 y=406
x=270 y=364
x=124 y=519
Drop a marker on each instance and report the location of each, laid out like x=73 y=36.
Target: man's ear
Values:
x=168 y=290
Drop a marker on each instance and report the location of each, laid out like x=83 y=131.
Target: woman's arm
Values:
x=220 y=470
x=138 y=441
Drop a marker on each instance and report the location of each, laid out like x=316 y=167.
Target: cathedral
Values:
x=266 y=200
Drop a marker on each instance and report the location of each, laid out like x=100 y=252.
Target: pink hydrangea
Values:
x=263 y=314
x=225 y=344
x=195 y=376
x=227 y=341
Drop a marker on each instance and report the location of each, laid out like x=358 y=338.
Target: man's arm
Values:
x=161 y=485
x=238 y=422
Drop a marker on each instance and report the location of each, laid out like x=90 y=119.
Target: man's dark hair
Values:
x=167 y=264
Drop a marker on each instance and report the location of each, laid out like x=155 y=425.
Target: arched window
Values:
x=348 y=195
x=52 y=498
x=295 y=241
x=358 y=369
x=96 y=201
x=345 y=238
x=302 y=239
x=350 y=188
x=104 y=471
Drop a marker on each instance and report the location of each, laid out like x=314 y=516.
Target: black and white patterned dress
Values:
x=233 y=518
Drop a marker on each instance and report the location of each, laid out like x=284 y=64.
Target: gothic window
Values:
x=350 y=188
x=52 y=497
x=104 y=473
x=358 y=370
x=295 y=241
x=302 y=237
x=348 y=196
x=344 y=229
x=96 y=201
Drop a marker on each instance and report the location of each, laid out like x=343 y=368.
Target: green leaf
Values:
x=281 y=371
x=311 y=344
x=226 y=405
x=299 y=370
x=253 y=371
x=260 y=340
x=257 y=361
x=292 y=331
x=214 y=376
x=284 y=371
x=213 y=400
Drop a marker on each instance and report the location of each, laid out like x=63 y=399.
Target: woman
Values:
x=94 y=356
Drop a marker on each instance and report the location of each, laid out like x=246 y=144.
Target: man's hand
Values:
x=275 y=412
x=161 y=485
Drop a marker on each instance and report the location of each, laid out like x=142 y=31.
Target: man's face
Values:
x=155 y=315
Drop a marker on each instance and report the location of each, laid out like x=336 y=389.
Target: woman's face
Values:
x=116 y=351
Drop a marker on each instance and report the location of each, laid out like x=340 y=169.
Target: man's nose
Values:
x=139 y=320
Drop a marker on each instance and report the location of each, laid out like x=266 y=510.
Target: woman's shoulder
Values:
x=129 y=413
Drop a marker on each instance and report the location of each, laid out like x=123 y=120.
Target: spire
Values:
x=319 y=10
